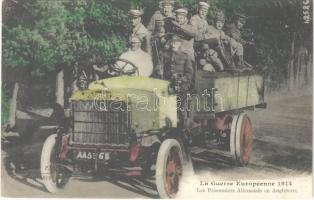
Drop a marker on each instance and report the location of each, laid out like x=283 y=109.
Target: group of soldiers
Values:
x=178 y=45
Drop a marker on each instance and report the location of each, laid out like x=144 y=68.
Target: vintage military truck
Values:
x=133 y=121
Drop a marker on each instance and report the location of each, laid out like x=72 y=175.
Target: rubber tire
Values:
x=161 y=165
x=235 y=139
x=45 y=162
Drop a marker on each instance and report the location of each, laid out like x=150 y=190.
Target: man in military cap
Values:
x=158 y=42
x=218 y=31
x=182 y=28
x=178 y=69
x=178 y=64
x=138 y=29
x=200 y=24
x=234 y=31
x=165 y=12
x=223 y=43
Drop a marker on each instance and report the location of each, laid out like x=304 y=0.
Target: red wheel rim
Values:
x=246 y=139
x=174 y=172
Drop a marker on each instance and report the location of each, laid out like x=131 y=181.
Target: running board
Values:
x=198 y=150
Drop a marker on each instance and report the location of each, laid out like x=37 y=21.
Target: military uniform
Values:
x=185 y=31
x=140 y=31
x=200 y=24
x=178 y=67
x=203 y=30
x=234 y=33
x=236 y=41
x=159 y=15
x=177 y=63
x=156 y=16
x=220 y=42
x=158 y=42
x=188 y=44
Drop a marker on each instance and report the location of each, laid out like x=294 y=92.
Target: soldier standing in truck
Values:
x=138 y=29
x=178 y=69
x=165 y=12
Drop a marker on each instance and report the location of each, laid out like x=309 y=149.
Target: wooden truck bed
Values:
x=233 y=91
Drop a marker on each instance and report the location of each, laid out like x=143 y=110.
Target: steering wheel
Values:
x=117 y=67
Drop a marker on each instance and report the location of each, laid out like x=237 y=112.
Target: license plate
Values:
x=88 y=155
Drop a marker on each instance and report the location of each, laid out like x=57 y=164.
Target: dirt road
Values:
x=282 y=148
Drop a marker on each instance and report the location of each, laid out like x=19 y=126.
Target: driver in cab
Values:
x=134 y=61
x=142 y=60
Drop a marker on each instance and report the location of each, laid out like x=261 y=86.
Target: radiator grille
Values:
x=95 y=126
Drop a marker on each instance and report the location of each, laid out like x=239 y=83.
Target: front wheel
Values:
x=54 y=177
x=169 y=168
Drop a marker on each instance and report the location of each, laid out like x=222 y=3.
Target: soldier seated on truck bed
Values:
x=181 y=27
x=213 y=51
x=233 y=30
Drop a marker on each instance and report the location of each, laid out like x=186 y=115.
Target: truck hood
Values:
x=160 y=87
x=121 y=88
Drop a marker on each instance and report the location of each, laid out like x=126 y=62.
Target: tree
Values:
x=44 y=38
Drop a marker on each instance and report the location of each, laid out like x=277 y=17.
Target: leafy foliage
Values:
x=58 y=34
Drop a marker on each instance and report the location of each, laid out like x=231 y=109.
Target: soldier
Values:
x=178 y=64
x=234 y=31
x=185 y=30
x=223 y=41
x=165 y=12
x=139 y=30
x=200 y=24
x=178 y=69
x=211 y=52
x=158 y=44
x=219 y=25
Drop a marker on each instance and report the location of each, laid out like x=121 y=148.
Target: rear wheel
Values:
x=241 y=139
x=169 y=168
x=54 y=176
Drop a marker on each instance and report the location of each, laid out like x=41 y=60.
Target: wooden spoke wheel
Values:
x=241 y=139
x=169 y=168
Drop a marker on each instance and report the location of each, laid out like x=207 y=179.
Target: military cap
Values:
x=220 y=16
x=135 y=13
x=181 y=11
x=135 y=39
x=239 y=16
x=167 y=3
x=203 y=5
